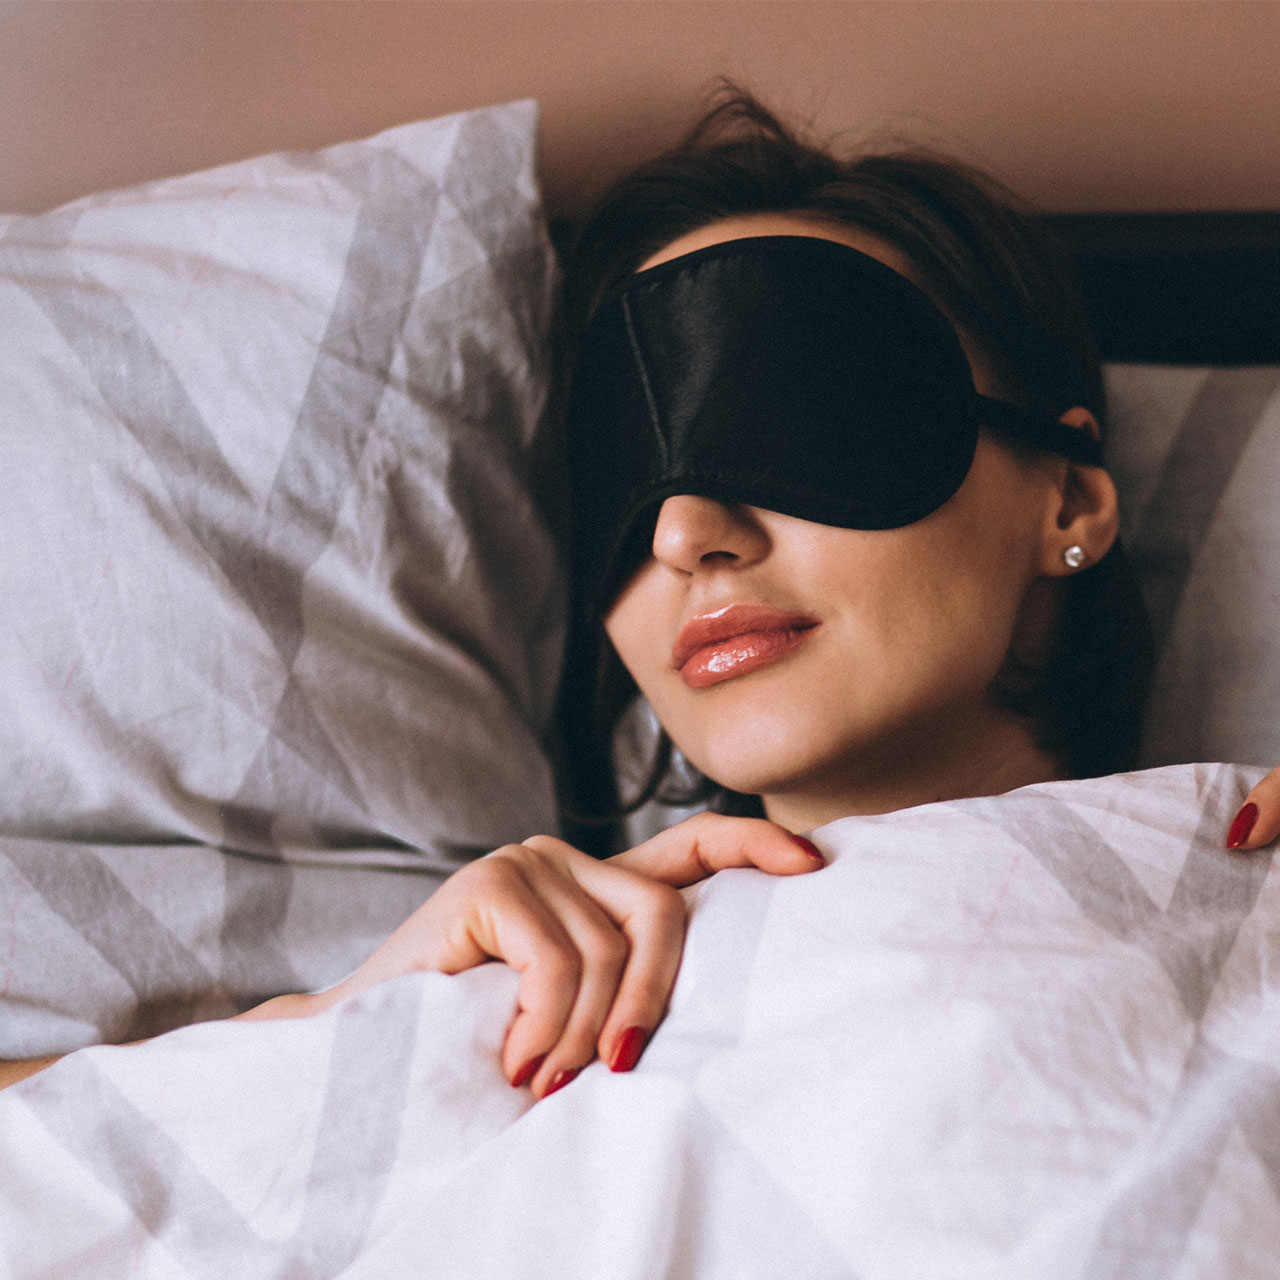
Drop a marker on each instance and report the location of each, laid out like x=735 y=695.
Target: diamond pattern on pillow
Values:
x=1196 y=456
x=275 y=577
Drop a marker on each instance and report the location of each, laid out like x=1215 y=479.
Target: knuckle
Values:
x=649 y=994
x=577 y=1047
x=500 y=863
x=606 y=948
x=527 y=863
x=707 y=822
x=493 y=873
x=661 y=904
x=544 y=846
x=509 y=850
x=560 y=965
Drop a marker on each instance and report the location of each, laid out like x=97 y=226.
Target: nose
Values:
x=695 y=533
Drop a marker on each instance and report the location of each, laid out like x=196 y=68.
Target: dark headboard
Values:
x=1170 y=288
x=1179 y=288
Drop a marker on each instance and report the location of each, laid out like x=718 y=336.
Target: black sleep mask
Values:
x=785 y=372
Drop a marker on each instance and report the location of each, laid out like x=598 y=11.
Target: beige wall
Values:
x=1107 y=104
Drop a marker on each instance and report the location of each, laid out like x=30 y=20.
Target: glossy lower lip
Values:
x=735 y=641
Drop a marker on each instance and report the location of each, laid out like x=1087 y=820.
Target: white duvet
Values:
x=1029 y=1037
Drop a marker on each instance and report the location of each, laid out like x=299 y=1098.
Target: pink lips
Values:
x=735 y=640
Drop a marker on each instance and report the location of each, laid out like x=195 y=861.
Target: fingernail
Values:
x=1242 y=825
x=528 y=1071
x=560 y=1079
x=630 y=1046
x=810 y=848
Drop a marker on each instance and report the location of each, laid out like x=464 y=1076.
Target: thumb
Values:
x=711 y=842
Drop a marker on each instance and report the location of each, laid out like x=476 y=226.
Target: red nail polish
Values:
x=560 y=1079
x=810 y=848
x=630 y=1046
x=528 y=1071
x=1242 y=825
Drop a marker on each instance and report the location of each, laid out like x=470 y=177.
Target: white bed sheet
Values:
x=1036 y=1036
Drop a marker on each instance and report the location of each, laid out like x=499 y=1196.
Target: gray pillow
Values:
x=273 y=577
x=1196 y=456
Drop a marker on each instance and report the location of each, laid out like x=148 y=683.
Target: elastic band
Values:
x=1039 y=431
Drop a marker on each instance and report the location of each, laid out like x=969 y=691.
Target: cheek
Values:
x=984 y=602
x=629 y=626
x=945 y=597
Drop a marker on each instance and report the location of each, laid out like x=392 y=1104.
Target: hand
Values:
x=1258 y=821
x=596 y=944
x=12 y=1070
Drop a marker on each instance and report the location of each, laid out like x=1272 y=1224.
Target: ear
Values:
x=1086 y=511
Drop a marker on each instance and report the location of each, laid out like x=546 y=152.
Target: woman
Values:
x=811 y=667
x=826 y=620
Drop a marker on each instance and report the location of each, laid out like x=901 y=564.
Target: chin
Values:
x=756 y=763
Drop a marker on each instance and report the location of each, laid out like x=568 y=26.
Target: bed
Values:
x=284 y=620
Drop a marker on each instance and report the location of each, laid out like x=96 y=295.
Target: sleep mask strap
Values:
x=1038 y=431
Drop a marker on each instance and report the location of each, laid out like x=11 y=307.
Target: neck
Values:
x=1004 y=758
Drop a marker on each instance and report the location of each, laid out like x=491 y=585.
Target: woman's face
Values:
x=836 y=670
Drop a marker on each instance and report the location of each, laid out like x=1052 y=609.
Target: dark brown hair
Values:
x=993 y=268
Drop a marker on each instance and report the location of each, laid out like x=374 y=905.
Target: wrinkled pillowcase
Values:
x=1196 y=456
x=273 y=575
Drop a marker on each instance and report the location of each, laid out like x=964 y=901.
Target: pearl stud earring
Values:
x=1073 y=556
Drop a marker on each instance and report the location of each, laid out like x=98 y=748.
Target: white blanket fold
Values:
x=1024 y=1038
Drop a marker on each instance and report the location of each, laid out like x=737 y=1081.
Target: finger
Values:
x=458 y=926
x=603 y=951
x=490 y=911
x=1258 y=821
x=710 y=842
x=651 y=917
x=655 y=927
x=523 y=924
